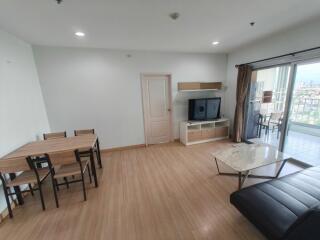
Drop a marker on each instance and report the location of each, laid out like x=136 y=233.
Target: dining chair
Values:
x=66 y=164
x=273 y=121
x=54 y=135
x=83 y=132
x=280 y=126
x=26 y=174
x=86 y=152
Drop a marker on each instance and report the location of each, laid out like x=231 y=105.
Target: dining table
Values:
x=88 y=142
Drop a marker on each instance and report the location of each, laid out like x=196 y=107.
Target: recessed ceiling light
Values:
x=215 y=43
x=80 y=34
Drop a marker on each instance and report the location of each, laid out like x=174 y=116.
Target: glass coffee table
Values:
x=243 y=158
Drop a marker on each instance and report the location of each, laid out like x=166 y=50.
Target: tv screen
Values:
x=204 y=109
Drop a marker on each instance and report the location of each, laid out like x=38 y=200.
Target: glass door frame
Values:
x=288 y=103
x=291 y=83
x=248 y=101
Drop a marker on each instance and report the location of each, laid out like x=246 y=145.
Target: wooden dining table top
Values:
x=56 y=145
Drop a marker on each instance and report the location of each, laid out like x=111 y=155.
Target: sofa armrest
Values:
x=306 y=227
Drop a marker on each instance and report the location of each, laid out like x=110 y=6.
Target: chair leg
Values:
x=41 y=197
x=8 y=201
x=99 y=153
x=89 y=172
x=56 y=184
x=83 y=187
x=11 y=197
x=66 y=180
x=55 y=187
x=31 y=189
x=259 y=134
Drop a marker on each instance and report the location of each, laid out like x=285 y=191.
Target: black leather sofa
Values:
x=284 y=208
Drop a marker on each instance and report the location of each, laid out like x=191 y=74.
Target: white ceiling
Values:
x=145 y=25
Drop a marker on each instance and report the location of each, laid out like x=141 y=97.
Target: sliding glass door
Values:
x=302 y=137
x=283 y=109
x=266 y=105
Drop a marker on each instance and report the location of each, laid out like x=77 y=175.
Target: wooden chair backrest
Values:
x=275 y=116
x=63 y=158
x=14 y=165
x=83 y=132
x=55 y=135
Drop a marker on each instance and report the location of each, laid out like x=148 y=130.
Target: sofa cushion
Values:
x=276 y=205
x=306 y=227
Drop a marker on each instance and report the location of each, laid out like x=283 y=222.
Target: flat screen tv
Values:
x=204 y=109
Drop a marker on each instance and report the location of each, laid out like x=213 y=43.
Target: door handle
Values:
x=169 y=109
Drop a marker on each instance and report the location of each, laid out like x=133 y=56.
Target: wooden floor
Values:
x=160 y=192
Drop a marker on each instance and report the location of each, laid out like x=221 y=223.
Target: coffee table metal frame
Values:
x=243 y=175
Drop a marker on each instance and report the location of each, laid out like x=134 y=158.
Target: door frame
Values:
x=288 y=103
x=143 y=77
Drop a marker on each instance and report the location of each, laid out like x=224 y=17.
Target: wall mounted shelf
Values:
x=202 y=90
x=199 y=86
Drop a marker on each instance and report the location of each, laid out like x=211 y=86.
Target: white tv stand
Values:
x=193 y=132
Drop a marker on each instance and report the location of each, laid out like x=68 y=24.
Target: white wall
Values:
x=296 y=39
x=97 y=88
x=22 y=111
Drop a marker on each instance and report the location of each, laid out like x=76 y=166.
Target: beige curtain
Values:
x=243 y=83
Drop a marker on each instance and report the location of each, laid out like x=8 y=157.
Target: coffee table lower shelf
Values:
x=243 y=175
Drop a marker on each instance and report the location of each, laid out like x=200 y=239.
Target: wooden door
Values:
x=156 y=93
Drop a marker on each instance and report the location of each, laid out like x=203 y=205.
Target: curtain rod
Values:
x=285 y=55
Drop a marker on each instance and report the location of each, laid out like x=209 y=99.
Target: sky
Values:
x=309 y=72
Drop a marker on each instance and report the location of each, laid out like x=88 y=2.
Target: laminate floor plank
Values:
x=162 y=192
